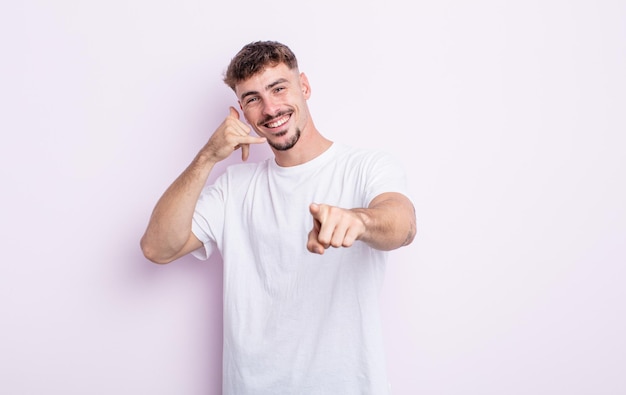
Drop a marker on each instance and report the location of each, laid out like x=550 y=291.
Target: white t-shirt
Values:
x=297 y=322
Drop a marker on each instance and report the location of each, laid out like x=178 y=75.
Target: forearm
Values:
x=169 y=227
x=389 y=222
x=168 y=235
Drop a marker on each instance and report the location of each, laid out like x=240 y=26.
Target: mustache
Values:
x=270 y=118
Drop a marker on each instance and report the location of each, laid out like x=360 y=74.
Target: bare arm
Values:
x=168 y=235
x=388 y=223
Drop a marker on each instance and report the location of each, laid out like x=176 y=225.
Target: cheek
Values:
x=249 y=115
x=255 y=130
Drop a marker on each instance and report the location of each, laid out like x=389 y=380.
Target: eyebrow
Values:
x=268 y=87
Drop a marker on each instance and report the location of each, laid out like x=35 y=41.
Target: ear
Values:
x=305 y=86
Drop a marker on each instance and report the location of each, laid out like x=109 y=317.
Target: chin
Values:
x=287 y=144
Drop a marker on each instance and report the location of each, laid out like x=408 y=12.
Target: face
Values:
x=274 y=104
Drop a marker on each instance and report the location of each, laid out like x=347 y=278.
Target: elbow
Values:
x=153 y=254
x=410 y=236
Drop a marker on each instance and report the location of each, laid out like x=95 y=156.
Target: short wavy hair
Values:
x=253 y=58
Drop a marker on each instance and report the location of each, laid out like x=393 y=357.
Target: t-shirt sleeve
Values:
x=385 y=173
x=208 y=218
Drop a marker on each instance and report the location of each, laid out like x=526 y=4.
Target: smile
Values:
x=278 y=122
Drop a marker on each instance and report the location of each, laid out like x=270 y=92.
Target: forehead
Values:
x=263 y=80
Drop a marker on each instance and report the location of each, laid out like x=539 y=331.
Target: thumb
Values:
x=233 y=112
x=314 y=209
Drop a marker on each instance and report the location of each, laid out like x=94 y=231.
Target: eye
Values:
x=251 y=99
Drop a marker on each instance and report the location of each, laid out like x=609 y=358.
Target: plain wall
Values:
x=509 y=117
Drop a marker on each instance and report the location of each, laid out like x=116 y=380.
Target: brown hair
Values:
x=253 y=58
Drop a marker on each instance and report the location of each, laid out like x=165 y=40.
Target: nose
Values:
x=271 y=107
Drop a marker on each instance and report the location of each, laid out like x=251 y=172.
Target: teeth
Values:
x=278 y=123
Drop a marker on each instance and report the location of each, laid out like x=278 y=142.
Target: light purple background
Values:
x=509 y=116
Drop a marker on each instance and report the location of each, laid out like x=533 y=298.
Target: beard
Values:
x=287 y=145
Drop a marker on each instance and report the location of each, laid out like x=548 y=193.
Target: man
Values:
x=302 y=236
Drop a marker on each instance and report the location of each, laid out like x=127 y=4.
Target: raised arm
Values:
x=168 y=235
x=386 y=224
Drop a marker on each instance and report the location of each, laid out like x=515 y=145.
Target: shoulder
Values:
x=246 y=170
x=236 y=175
x=366 y=156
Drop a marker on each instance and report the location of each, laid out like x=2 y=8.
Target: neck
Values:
x=311 y=145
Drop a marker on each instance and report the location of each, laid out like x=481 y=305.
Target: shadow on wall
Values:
x=209 y=323
x=201 y=282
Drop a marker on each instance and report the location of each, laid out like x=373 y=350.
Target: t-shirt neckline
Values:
x=315 y=162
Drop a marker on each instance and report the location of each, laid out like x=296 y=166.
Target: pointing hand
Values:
x=333 y=226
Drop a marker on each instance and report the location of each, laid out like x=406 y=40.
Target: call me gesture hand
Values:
x=231 y=135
